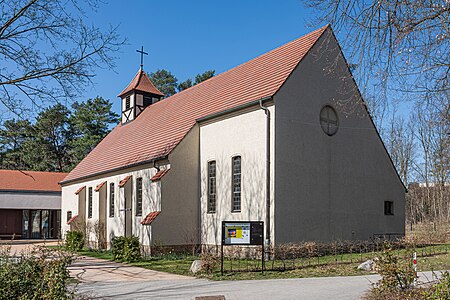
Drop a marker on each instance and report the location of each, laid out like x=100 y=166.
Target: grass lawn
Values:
x=340 y=265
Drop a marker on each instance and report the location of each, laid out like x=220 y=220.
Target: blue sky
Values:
x=189 y=37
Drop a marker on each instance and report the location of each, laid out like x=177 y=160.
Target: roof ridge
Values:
x=32 y=171
x=256 y=57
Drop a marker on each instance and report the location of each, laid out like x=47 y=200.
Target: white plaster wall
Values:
x=115 y=225
x=178 y=223
x=20 y=200
x=245 y=135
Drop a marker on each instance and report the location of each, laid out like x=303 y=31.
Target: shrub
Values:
x=126 y=248
x=395 y=272
x=440 y=290
x=397 y=276
x=209 y=262
x=39 y=274
x=74 y=241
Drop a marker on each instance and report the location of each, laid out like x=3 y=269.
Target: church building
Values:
x=284 y=138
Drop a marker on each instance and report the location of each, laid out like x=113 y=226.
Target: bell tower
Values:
x=140 y=93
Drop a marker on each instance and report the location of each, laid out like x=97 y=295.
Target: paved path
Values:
x=160 y=287
x=331 y=288
x=95 y=270
x=18 y=246
x=101 y=279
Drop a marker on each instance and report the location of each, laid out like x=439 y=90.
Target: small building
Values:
x=30 y=204
x=284 y=138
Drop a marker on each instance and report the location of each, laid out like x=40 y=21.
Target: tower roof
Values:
x=141 y=83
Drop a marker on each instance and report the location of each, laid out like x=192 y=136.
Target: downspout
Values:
x=155 y=166
x=268 y=238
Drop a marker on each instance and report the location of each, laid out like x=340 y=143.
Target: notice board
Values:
x=242 y=232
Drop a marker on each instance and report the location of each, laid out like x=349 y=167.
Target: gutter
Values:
x=115 y=169
x=31 y=192
x=233 y=109
x=267 y=112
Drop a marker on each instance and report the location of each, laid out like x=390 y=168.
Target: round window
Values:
x=329 y=120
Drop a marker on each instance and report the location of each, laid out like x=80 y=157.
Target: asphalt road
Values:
x=302 y=288
x=101 y=279
x=329 y=288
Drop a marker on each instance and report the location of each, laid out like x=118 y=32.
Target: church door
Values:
x=128 y=208
x=102 y=217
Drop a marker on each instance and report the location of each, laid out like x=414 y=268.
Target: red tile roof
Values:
x=80 y=189
x=150 y=218
x=159 y=174
x=169 y=120
x=71 y=219
x=30 y=180
x=124 y=181
x=99 y=186
x=142 y=83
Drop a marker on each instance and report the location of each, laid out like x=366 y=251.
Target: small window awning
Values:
x=99 y=186
x=71 y=220
x=150 y=218
x=159 y=174
x=80 y=189
x=124 y=181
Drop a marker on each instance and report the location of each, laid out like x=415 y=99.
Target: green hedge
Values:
x=126 y=248
x=74 y=241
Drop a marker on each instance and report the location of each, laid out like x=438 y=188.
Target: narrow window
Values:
x=90 y=203
x=147 y=101
x=139 y=197
x=69 y=215
x=236 y=185
x=111 y=200
x=127 y=103
x=212 y=187
x=388 y=207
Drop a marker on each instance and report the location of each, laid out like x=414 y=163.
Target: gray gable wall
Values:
x=329 y=188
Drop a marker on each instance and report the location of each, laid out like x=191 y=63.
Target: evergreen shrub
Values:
x=126 y=249
x=74 y=241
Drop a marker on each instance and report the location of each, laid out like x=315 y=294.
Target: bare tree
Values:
x=401 y=145
x=48 y=52
x=406 y=43
x=431 y=198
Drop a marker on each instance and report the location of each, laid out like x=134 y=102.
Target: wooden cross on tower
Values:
x=142 y=56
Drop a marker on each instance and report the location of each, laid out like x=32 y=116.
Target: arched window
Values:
x=90 y=203
x=212 y=189
x=111 y=199
x=236 y=184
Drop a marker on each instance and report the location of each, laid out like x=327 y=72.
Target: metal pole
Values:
x=415 y=267
x=267 y=112
x=221 y=248
x=262 y=252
